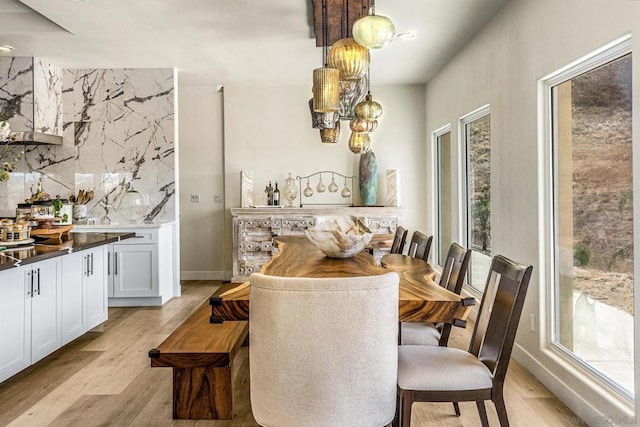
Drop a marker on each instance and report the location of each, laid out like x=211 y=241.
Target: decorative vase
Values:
x=368 y=178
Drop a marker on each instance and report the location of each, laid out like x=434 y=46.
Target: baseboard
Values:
x=570 y=394
x=205 y=275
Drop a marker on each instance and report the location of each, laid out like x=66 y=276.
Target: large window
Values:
x=443 y=202
x=476 y=131
x=592 y=216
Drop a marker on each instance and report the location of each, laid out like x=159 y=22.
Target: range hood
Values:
x=34 y=138
x=31 y=99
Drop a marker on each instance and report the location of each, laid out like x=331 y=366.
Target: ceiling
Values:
x=239 y=42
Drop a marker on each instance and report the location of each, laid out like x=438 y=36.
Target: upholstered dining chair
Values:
x=452 y=278
x=445 y=374
x=323 y=351
x=398 y=240
x=420 y=245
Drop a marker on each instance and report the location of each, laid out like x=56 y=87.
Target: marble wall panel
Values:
x=47 y=98
x=16 y=96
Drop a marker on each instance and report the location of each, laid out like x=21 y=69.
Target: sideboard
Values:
x=254 y=229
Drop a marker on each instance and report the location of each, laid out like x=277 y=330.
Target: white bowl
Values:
x=342 y=237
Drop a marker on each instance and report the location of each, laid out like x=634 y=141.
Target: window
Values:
x=476 y=131
x=592 y=254
x=443 y=193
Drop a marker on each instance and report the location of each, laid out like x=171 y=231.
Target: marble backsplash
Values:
x=118 y=137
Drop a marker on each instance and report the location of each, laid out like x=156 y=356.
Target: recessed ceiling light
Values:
x=407 y=36
x=6 y=48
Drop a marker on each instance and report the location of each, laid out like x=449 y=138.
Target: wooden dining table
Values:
x=420 y=298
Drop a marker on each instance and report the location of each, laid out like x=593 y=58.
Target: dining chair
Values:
x=452 y=278
x=323 y=351
x=420 y=245
x=445 y=374
x=398 y=240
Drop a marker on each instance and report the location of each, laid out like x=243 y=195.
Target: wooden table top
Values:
x=420 y=298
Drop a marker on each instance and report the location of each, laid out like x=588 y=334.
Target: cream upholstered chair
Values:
x=323 y=351
x=452 y=278
x=445 y=374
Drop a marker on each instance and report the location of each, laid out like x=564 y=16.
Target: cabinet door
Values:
x=96 y=287
x=73 y=323
x=45 y=324
x=15 y=318
x=135 y=270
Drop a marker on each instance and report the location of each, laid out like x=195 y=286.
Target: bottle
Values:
x=276 y=196
x=269 y=194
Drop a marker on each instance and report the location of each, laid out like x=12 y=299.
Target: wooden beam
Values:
x=337 y=18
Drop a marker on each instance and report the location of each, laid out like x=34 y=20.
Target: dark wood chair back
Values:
x=399 y=240
x=452 y=278
x=498 y=316
x=420 y=245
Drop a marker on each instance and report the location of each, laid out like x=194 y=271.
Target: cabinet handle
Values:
x=92 y=264
x=108 y=264
x=86 y=271
x=30 y=274
x=115 y=263
x=38 y=281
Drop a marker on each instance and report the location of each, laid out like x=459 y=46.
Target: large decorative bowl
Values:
x=342 y=237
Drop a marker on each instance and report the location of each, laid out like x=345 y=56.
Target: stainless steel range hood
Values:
x=34 y=138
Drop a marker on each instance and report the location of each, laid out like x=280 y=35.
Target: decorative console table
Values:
x=254 y=229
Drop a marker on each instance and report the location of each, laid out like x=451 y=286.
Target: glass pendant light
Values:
x=326 y=80
x=361 y=125
x=368 y=109
x=308 y=192
x=350 y=58
x=346 y=192
x=330 y=135
x=359 y=142
x=352 y=92
x=374 y=31
x=323 y=120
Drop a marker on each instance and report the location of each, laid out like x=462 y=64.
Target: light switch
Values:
x=195 y=198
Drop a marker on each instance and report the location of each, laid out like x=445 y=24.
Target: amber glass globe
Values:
x=350 y=58
x=359 y=142
x=368 y=109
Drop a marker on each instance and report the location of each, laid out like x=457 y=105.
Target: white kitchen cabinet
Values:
x=15 y=316
x=83 y=292
x=135 y=270
x=41 y=279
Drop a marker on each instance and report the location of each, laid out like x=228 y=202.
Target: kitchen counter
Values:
x=36 y=251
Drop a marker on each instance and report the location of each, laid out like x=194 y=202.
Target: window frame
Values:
x=435 y=135
x=465 y=205
x=549 y=258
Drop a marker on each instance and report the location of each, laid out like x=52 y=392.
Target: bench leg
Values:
x=202 y=393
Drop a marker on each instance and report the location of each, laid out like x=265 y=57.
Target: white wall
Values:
x=202 y=254
x=501 y=66
x=268 y=131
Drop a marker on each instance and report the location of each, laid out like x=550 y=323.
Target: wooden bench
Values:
x=201 y=355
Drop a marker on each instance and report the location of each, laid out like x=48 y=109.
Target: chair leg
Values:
x=456 y=408
x=406 y=401
x=482 y=411
x=501 y=409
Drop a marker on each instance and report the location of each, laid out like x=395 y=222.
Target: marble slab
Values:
x=393 y=188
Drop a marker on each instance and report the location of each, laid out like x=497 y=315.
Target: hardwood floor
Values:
x=105 y=379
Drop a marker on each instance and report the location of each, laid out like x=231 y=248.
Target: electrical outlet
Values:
x=532 y=322
x=217 y=198
x=195 y=198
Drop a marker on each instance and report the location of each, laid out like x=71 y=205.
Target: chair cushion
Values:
x=440 y=369
x=419 y=333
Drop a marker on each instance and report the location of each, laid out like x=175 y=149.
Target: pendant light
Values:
x=326 y=80
x=349 y=57
x=373 y=31
x=359 y=142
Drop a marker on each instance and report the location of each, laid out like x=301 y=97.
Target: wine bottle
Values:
x=276 y=196
x=269 y=194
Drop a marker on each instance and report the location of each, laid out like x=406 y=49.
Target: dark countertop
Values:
x=39 y=251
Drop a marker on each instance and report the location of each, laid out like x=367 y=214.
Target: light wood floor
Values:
x=104 y=379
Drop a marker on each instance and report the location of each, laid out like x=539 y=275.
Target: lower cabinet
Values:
x=135 y=270
x=84 y=292
x=30 y=304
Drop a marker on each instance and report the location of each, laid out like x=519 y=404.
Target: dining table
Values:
x=420 y=298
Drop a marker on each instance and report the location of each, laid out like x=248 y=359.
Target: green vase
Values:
x=368 y=178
